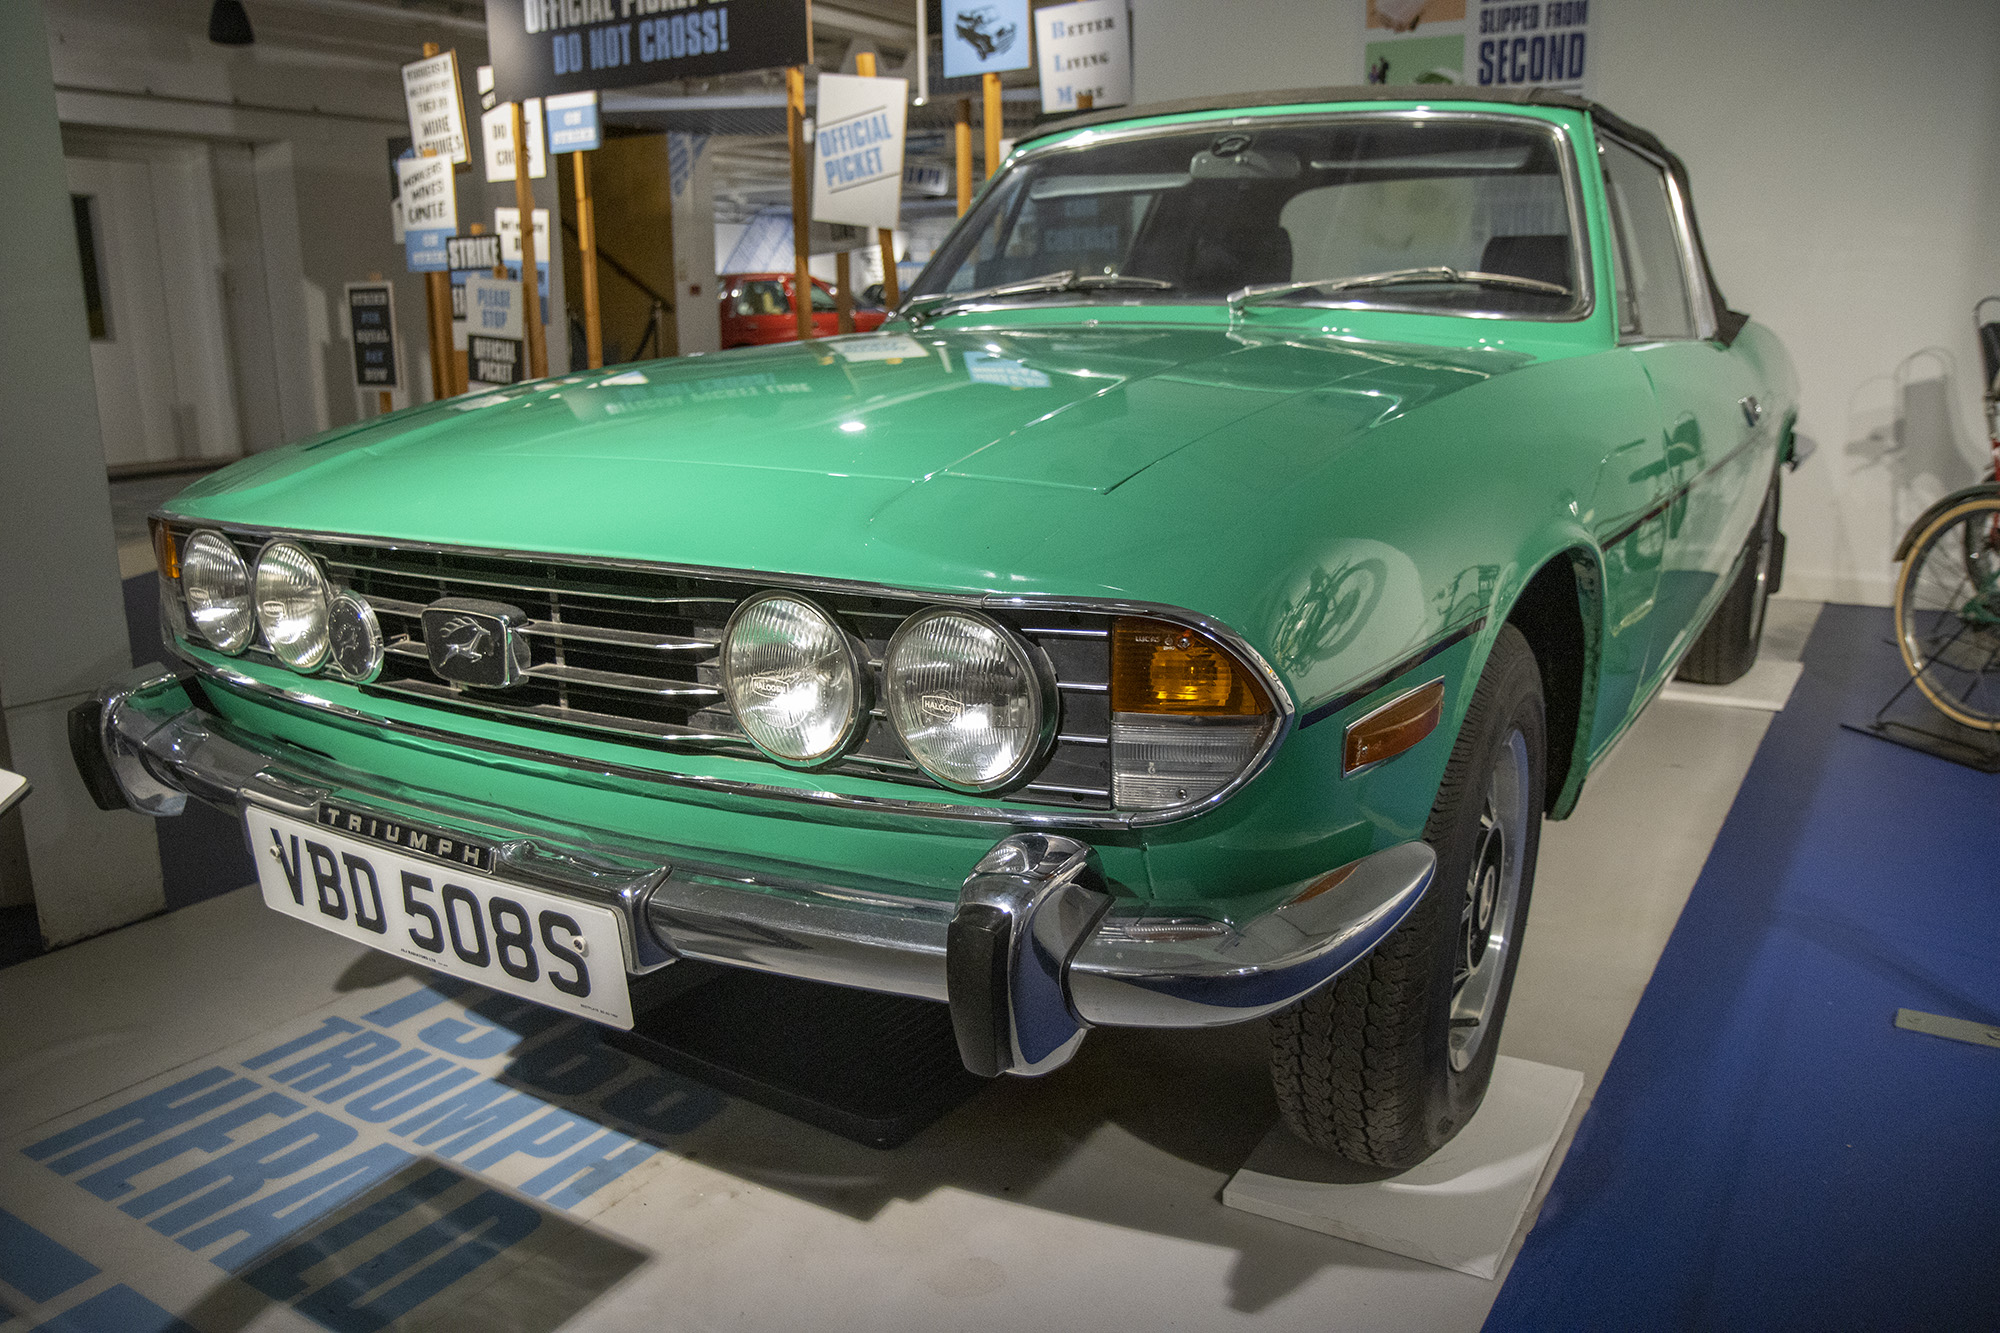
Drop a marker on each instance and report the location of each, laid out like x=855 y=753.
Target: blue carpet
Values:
x=1767 y=1151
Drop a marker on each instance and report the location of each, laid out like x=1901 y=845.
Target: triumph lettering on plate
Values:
x=434 y=843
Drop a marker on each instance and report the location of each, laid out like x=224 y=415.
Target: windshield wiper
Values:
x=1393 y=278
x=1063 y=280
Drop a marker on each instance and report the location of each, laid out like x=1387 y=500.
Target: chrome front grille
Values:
x=630 y=652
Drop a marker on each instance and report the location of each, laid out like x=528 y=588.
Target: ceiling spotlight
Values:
x=229 y=25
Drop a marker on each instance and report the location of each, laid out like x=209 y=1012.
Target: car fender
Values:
x=1568 y=555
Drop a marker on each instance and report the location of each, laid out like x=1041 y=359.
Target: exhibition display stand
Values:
x=1458 y=1209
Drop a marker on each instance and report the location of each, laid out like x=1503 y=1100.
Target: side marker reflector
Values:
x=1392 y=728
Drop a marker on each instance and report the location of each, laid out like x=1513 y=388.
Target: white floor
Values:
x=1087 y=1198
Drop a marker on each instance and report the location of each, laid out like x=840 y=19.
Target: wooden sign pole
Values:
x=843 y=293
x=992 y=122
x=795 y=124
x=437 y=304
x=531 y=293
x=962 y=151
x=586 y=245
x=864 y=65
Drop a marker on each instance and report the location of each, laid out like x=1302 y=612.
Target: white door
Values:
x=130 y=350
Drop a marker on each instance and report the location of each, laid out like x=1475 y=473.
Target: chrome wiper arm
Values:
x=1090 y=282
x=1064 y=280
x=942 y=302
x=1392 y=278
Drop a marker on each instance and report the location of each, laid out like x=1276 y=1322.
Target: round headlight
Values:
x=216 y=586
x=793 y=678
x=292 y=600
x=966 y=698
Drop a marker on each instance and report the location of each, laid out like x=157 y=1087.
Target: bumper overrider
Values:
x=1036 y=950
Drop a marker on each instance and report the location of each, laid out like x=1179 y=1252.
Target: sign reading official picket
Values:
x=545 y=47
x=371 y=324
x=858 y=158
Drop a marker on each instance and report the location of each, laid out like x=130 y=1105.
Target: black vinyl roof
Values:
x=1363 y=92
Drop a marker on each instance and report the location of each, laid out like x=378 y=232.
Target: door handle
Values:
x=1753 y=412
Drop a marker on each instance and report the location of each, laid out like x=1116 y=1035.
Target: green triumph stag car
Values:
x=1260 y=515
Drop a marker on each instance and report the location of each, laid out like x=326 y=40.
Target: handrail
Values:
x=622 y=271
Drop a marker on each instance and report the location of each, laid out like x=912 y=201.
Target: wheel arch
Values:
x=1559 y=610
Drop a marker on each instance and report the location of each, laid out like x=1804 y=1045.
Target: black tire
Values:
x=1728 y=644
x=1368 y=1067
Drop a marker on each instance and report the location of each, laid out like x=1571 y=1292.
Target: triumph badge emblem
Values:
x=473 y=642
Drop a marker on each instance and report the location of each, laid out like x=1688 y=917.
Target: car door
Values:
x=1705 y=394
x=825 y=311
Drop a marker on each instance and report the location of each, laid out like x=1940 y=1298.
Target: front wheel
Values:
x=1387 y=1064
x=1948 y=612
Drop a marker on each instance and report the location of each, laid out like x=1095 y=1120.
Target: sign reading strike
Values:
x=474 y=252
x=858 y=163
x=430 y=211
x=545 y=47
x=436 y=107
x=1085 y=50
x=371 y=326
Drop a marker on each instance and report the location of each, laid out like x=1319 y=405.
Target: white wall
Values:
x=60 y=605
x=297 y=126
x=1846 y=165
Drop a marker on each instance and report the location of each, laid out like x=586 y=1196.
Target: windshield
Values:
x=1475 y=204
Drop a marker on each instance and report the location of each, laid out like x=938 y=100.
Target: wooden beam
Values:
x=795 y=125
x=843 y=293
x=991 y=122
x=531 y=292
x=962 y=151
x=586 y=244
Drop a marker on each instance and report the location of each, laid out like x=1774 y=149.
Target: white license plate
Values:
x=506 y=937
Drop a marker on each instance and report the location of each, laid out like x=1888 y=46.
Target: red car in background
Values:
x=757 y=308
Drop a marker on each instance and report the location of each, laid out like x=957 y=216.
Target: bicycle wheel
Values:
x=1948 y=612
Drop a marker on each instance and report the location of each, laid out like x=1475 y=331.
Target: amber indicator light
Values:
x=1331 y=880
x=1157 y=667
x=165 y=554
x=1394 y=727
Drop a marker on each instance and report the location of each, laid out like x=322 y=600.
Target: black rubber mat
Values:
x=872 y=1068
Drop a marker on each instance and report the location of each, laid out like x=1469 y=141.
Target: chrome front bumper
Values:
x=1036 y=950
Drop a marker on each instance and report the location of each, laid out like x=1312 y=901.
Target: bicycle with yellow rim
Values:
x=1948 y=592
x=1948 y=607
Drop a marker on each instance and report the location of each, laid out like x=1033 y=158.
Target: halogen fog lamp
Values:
x=216 y=586
x=1186 y=717
x=793 y=678
x=966 y=698
x=292 y=597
